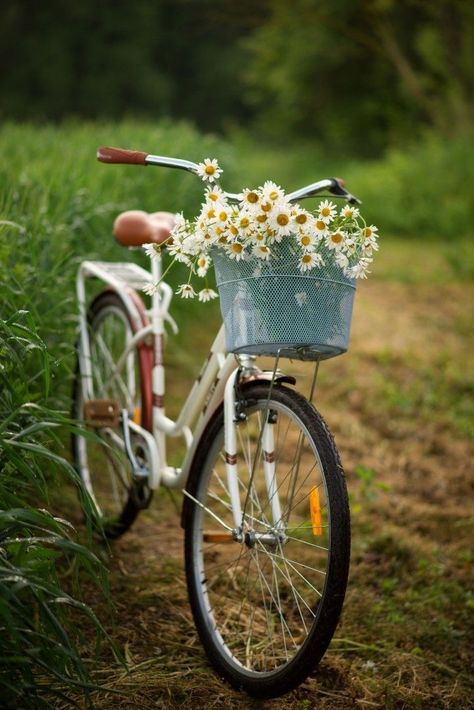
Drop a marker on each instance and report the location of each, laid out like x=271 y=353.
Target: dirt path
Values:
x=400 y=406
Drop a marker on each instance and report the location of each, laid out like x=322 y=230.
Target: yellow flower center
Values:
x=283 y=219
x=237 y=248
x=306 y=258
x=336 y=238
x=261 y=218
x=209 y=170
x=211 y=213
x=213 y=196
x=252 y=197
x=320 y=224
x=233 y=230
x=219 y=230
x=202 y=262
x=244 y=222
x=301 y=218
x=259 y=237
x=223 y=216
x=223 y=239
x=266 y=207
x=367 y=232
x=325 y=212
x=273 y=195
x=305 y=240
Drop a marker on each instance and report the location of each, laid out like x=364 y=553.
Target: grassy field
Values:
x=400 y=404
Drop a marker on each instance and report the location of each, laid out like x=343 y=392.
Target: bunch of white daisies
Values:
x=250 y=229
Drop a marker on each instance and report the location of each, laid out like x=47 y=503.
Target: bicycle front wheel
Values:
x=100 y=458
x=266 y=599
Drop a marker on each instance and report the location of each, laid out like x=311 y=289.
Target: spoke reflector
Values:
x=315 y=510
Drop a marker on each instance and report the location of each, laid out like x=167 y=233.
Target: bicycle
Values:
x=265 y=508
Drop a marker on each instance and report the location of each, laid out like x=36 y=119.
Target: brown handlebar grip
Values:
x=120 y=155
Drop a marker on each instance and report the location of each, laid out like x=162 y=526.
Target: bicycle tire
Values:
x=115 y=509
x=228 y=584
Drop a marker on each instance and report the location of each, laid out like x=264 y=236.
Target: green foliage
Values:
x=364 y=74
x=39 y=654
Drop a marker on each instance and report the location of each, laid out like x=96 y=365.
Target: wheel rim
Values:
x=262 y=597
x=104 y=466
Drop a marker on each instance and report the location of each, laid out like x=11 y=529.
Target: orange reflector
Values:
x=315 y=510
x=222 y=537
x=137 y=415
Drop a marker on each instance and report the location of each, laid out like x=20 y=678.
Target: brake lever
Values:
x=339 y=190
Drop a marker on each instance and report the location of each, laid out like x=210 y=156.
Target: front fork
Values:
x=234 y=412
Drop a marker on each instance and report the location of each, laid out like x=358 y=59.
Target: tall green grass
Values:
x=39 y=651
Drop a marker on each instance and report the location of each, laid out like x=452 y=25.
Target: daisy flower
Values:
x=235 y=250
x=176 y=249
x=280 y=219
x=152 y=250
x=214 y=194
x=186 y=291
x=233 y=231
x=207 y=294
x=208 y=213
x=349 y=246
x=320 y=227
x=266 y=206
x=360 y=270
x=271 y=191
x=203 y=265
x=349 y=212
x=306 y=240
x=222 y=214
x=368 y=232
x=261 y=218
x=309 y=260
x=261 y=251
x=369 y=245
x=150 y=289
x=341 y=260
x=250 y=199
x=209 y=170
x=302 y=218
x=327 y=211
x=259 y=236
x=335 y=240
x=243 y=222
x=206 y=238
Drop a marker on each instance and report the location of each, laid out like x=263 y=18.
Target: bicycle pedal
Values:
x=99 y=413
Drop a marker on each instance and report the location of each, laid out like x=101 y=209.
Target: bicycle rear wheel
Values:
x=100 y=458
x=266 y=607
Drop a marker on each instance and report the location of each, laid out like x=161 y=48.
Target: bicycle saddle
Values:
x=135 y=227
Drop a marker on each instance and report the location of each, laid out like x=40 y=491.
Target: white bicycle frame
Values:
x=214 y=384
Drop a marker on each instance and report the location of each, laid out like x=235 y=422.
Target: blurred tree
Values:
x=362 y=69
x=351 y=72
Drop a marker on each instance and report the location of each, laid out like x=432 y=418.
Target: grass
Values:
x=399 y=403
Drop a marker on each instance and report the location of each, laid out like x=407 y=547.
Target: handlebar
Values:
x=134 y=157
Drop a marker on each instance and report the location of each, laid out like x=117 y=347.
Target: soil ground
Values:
x=400 y=406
